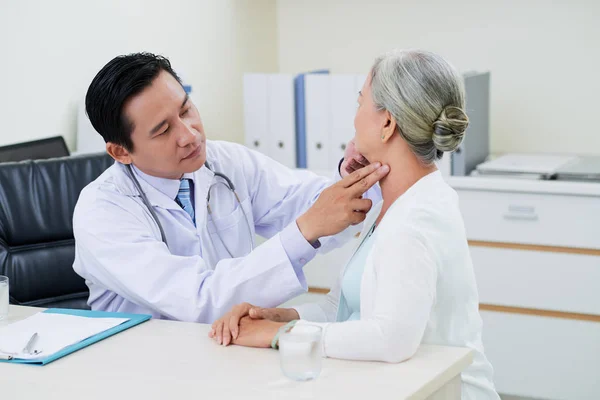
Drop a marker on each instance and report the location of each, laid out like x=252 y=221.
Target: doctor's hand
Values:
x=257 y=332
x=341 y=204
x=227 y=327
x=353 y=160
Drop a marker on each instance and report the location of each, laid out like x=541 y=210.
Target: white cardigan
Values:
x=418 y=286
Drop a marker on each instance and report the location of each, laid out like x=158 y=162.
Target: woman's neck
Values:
x=405 y=171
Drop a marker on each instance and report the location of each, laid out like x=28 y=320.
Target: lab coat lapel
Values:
x=155 y=197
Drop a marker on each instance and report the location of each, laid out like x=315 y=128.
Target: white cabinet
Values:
x=535 y=249
x=536 y=279
x=531 y=218
x=541 y=357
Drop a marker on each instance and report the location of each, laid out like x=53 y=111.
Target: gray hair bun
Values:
x=449 y=129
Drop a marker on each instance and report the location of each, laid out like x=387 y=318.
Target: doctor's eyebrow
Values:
x=157 y=127
x=187 y=97
x=164 y=121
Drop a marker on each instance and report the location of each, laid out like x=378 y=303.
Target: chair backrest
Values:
x=41 y=149
x=37 y=250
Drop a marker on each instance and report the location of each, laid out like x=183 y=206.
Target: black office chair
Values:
x=37 y=250
x=41 y=149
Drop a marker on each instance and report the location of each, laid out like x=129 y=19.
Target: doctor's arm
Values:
x=122 y=251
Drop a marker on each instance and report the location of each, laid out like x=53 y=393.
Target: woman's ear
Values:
x=119 y=153
x=388 y=128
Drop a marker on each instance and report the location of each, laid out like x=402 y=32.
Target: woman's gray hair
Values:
x=426 y=97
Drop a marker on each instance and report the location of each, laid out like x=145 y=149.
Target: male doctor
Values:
x=169 y=229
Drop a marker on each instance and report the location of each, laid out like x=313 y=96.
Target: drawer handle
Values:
x=521 y=217
x=521 y=209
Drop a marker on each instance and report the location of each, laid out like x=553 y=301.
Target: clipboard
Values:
x=134 y=319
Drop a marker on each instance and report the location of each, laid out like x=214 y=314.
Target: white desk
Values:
x=164 y=359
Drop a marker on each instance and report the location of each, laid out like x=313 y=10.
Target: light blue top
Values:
x=353 y=277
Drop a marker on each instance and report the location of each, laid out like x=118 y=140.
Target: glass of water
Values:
x=300 y=352
x=3 y=297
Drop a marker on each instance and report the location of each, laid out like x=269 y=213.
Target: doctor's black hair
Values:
x=122 y=78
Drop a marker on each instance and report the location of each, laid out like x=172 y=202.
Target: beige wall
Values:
x=544 y=56
x=50 y=51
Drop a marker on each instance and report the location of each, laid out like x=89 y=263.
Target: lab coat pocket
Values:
x=233 y=232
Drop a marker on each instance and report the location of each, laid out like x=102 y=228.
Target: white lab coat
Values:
x=418 y=286
x=128 y=268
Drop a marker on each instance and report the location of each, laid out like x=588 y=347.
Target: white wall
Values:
x=51 y=50
x=544 y=56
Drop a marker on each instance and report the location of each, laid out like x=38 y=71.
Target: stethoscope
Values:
x=226 y=181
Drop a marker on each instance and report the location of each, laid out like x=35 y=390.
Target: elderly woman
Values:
x=410 y=280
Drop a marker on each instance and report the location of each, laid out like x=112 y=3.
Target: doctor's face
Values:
x=167 y=133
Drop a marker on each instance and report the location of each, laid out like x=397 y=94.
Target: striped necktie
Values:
x=184 y=198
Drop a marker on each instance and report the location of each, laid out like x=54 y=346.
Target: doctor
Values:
x=169 y=229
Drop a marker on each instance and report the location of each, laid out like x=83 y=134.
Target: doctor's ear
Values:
x=388 y=128
x=119 y=153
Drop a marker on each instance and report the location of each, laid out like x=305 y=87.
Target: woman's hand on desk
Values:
x=227 y=327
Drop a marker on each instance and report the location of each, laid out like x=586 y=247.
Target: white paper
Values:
x=55 y=332
x=525 y=163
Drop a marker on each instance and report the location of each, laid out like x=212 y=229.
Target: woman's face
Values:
x=368 y=124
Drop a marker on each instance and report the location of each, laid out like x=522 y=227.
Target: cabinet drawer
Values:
x=542 y=219
x=543 y=358
x=535 y=279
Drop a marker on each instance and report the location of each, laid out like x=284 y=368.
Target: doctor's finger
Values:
x=257 y=313
x=357 y=217
x=364 y=184
x=226 y=334
x=362 y=160
x=234 y=324
x=219 y=331
x=237 y=313
x=213 y=328
x=354 y=165
x=359 y=174
x=363 y=205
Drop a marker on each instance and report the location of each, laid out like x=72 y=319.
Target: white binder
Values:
x=256 y=124
x=282 y=128
x=343 y=109
x=318 y=121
